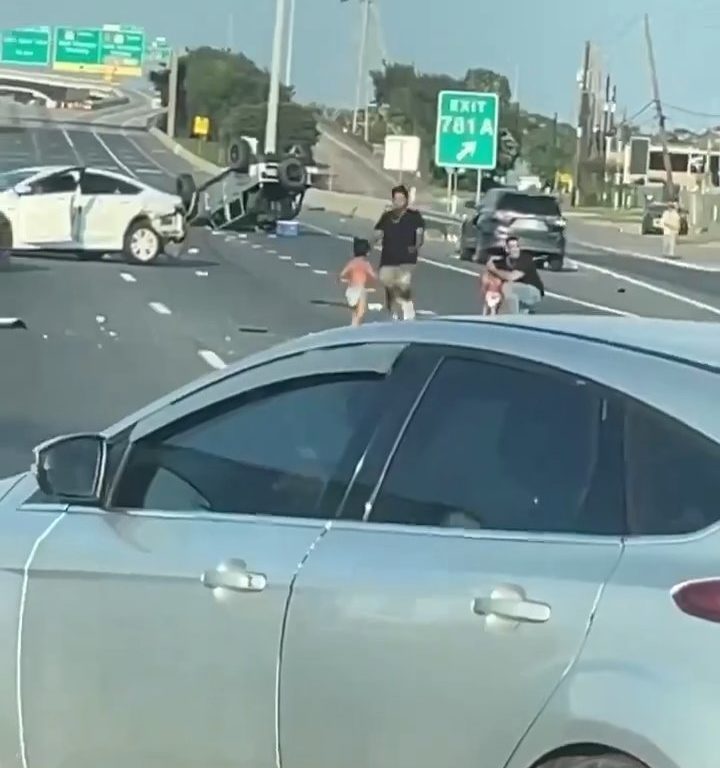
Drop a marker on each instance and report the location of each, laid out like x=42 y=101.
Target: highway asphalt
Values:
x=105 y=338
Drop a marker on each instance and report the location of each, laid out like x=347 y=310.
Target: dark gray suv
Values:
x=535 y=219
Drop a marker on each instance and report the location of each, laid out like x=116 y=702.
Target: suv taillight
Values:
x=700 y=599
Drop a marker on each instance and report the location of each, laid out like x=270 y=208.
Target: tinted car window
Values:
x=672 y=475
x=61 y=182
x=494 y=447
x=99 y=184
x=533 y=205
x=274 y=452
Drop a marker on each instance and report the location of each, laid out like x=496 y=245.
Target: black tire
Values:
x=186 y=190
x=292 y=175
x=608 y=760
x=466 y=254
x=143 y=255
x=239 y=155
x=6 y=234
x=555 y=263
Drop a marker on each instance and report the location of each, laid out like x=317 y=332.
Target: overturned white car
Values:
x=89 y=212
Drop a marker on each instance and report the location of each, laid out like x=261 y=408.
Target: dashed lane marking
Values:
x=114 y=157
x=301 y=264
x=160 y=308
x=212 y=359
x=128 y=278
x=285 y=258
x=320 y=271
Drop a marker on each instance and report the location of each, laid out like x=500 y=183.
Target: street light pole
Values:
x=271 y=124
x=290 y=41
x=361 y=70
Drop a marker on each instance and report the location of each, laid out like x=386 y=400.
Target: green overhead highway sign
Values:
x=87 y=49
x=467 y=130
x=26 y=45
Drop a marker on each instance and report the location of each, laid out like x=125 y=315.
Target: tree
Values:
x=232 y=91
x=407 y=101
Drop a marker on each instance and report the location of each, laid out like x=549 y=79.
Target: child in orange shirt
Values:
x=356 y=273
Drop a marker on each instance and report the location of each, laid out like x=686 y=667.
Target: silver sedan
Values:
x=481 y=544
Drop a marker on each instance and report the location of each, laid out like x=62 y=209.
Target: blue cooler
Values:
x=287 y=228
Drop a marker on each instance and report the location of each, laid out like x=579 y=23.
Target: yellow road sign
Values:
x=201 y=125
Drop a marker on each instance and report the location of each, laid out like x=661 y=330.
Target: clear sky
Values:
x=540 y=43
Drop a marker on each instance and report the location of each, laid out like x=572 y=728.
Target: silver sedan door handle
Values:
x=510 y=602
x=234 y=574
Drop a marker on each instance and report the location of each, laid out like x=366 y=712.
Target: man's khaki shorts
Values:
x=398 y=278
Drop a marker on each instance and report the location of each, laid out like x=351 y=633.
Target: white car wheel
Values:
x=142 y=244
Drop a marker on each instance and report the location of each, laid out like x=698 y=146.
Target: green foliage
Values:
x=232 y=91
x=407 y=103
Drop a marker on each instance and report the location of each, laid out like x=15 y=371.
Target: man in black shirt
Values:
x=402 y=231
x=522 y=286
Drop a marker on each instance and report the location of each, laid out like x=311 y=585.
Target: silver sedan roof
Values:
x=669 y=364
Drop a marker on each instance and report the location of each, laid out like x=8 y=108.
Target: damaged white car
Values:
x=89 y=212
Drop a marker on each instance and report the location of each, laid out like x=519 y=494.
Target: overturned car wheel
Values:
x=143 y=245
x=186 y=190
x=240 y=155
x=292 y=174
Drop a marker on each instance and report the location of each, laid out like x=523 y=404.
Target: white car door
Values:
x=46 y=210
x=434 y=631
x=152 y=626
x=107 y=205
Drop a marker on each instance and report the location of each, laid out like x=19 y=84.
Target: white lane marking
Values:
x=20 y=627
x=375 y=307
x=652 y=288
x=147 y=156
x=201 y=273
x=424 y=312
x=285 y=258
x=114 y=157
x=320 y=271
x=212 y=359
x=100 y=319
x=648 y=257
x=193 y=250
x=558 y=296
x=128 y=278
x=463 y=271
x=301 y=264
x=160 y=308
x=271 y=251
x=256 y=246
x=71 y=144
x=36 y=145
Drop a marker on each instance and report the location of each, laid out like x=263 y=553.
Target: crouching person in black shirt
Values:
x=522 y=286
x=402 y=232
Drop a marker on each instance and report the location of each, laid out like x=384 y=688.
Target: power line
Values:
x=692 y=112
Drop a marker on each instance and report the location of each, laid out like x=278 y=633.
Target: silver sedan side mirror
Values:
x=71 y=468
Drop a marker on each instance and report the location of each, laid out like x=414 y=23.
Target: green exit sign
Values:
x=26 y=45
x=89 y=49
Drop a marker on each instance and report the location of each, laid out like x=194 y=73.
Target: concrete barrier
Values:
x=177 y=149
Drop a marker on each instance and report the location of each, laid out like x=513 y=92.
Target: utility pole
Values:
x=581 y=124
x=669 y=185
x=554 y=149
x=361 y=68
x=290 y=42
x=172 y=94
x=271 y=125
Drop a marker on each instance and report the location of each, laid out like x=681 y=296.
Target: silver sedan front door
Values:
x=152 y=631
